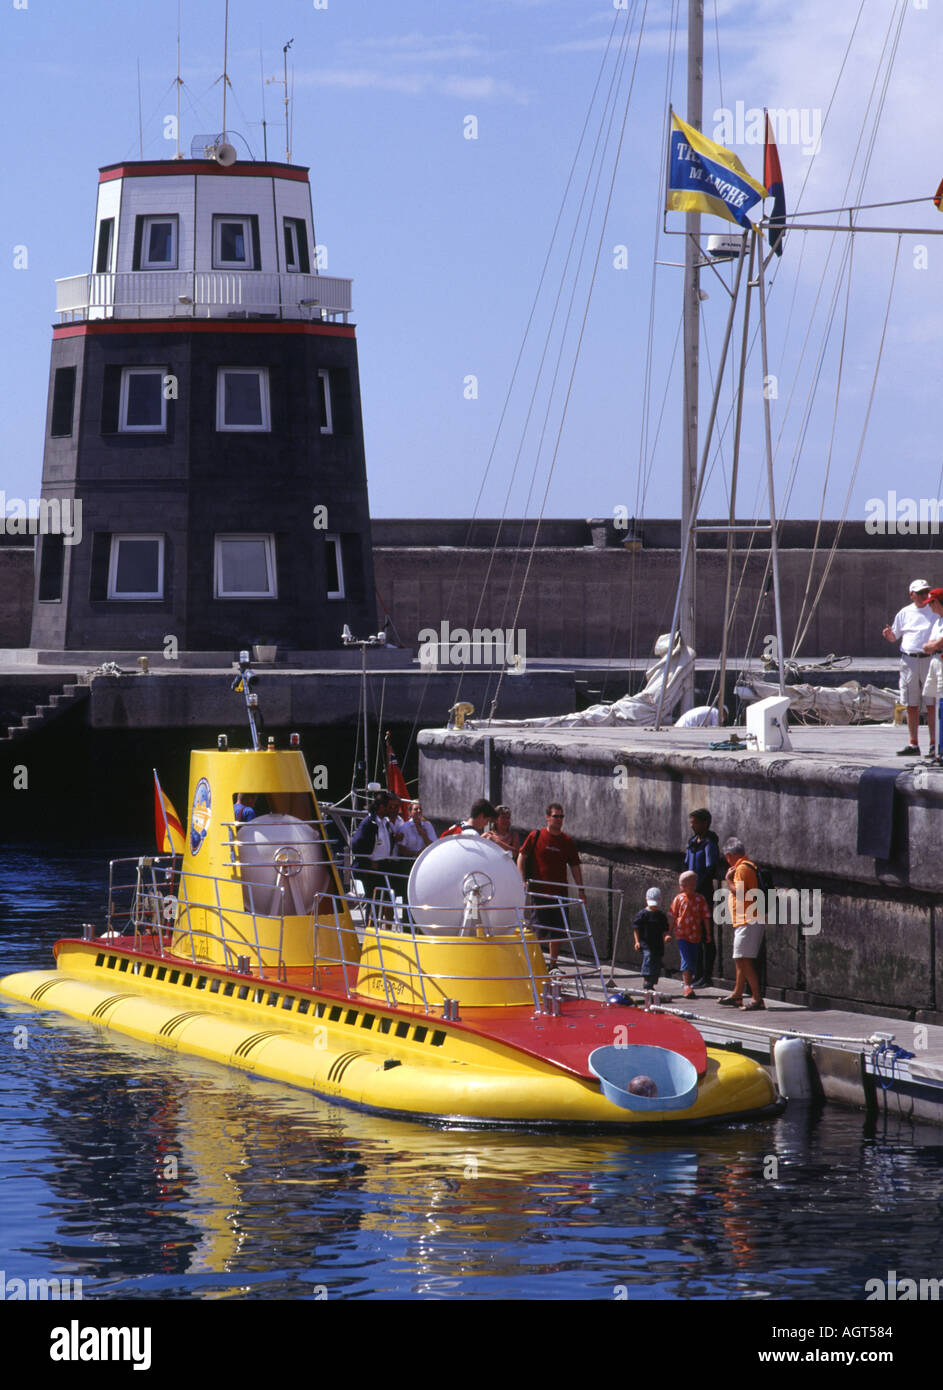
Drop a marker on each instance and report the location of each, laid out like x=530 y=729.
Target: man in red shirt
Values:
x=543 y=862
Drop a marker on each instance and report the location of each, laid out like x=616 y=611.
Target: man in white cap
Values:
x=912 y=628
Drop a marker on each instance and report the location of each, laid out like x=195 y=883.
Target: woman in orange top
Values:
x=743 y=883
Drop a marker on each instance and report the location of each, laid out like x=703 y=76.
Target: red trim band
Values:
x=156 y=326
x=298 y=173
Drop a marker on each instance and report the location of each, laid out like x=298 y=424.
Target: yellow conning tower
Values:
x=257 y=888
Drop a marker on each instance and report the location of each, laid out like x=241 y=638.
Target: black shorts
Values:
x=550 y=918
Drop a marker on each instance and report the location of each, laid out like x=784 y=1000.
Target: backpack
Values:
x=530 y=864
x=764 y=878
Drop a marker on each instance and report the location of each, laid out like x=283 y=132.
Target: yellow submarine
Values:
x=249 y=953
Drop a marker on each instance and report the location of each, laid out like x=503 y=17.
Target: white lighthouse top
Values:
x=196 y=238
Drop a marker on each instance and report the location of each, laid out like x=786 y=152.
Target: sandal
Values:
x=747 y=1008
x=732 y=999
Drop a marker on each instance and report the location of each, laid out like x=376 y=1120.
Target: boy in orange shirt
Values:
x=690 y=919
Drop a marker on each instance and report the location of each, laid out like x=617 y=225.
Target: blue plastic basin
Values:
x=674 y=1075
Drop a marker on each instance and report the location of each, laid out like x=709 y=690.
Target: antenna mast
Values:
x=225 y=77
x=140 y=115
x=179 y=82
x=287 y=120
x=264 y=122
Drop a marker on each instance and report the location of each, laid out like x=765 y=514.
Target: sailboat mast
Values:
x=689 y=455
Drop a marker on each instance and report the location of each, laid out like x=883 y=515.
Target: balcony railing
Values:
x=203 y=294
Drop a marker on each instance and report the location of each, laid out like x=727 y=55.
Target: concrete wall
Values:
x=613 y=602
x=606 y=601
x=300 y=699
x=16 y=594
x=880 y=946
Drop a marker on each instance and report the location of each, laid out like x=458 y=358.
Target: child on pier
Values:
x=651 y=933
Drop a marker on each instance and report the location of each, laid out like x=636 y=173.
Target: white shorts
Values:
x=747 y=941
x=913 y=673
x=933 y=685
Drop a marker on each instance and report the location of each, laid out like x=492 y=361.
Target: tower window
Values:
x=63 y=402
x=51 y=568
x=242 y=399
x=106 y=231
x=232 y=243
x=296 y=245
x=142 y=407
x=245 y=567
x=136 y=567
x=335 y=568
x=158 y=246
x=324 y=401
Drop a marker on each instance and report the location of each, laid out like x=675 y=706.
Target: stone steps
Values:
x=58 y=704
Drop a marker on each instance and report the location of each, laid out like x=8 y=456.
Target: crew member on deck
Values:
x=481 y=813
x=416 y=834
x=244 y=807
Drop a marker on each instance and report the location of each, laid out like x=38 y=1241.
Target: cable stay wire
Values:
x=515 y=372
x=582 y=330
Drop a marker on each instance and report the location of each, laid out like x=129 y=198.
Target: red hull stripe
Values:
x=153 y=326
x=164 y=168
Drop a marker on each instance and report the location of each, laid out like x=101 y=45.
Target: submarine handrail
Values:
x=376 y=931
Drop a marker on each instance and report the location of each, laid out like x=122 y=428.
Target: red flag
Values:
x=167 y=825
x=395 y=781
x=938 y=198
x=773 y=178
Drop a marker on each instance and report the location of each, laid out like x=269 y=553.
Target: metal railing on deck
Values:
x=157 y=905
x=203 y=294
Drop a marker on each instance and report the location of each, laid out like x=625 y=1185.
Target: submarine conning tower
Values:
x=204 y=410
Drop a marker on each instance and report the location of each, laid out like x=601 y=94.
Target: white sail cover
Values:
x=851 y=703
x=637 y=710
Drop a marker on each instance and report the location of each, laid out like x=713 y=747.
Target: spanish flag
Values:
x=705 y=177
x=167 y=825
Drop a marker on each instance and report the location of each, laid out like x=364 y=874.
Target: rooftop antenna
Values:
x=140 y=115
x=225 y=75
x=264 y=122
x=284 y=82
x=287 y=104
x=292 y=110
x=179 y=82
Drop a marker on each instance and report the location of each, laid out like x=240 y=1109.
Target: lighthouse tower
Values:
x=204 y=421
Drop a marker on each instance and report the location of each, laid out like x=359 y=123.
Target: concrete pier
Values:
x=878 y=946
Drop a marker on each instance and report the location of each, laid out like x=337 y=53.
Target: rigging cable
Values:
x=600 y=150
x=582 y=329
x=517 y=365
x=888 y=53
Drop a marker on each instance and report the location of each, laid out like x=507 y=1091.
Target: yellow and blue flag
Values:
x=705 y=177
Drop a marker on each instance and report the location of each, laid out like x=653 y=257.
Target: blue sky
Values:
x=445 y=236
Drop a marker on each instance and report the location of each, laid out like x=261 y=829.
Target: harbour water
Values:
x=151 y=1176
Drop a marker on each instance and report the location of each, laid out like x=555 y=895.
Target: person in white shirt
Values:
x=416 y=833
x=912 y=627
